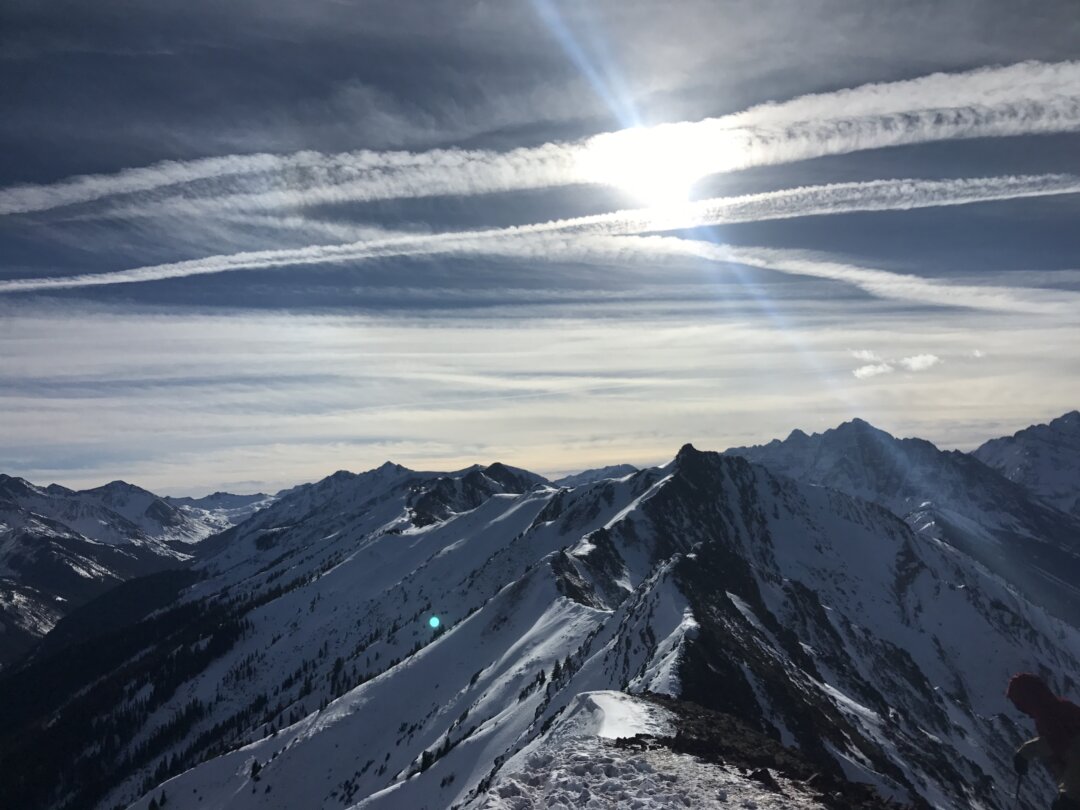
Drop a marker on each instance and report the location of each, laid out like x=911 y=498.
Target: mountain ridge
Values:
x=1044 y=458
x=61 y=547
x=860 y=633
x=946 y=494
x=821 y=614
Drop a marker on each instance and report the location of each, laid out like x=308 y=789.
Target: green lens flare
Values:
x=433 y=621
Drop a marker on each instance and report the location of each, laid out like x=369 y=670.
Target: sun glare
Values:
x=657 y=165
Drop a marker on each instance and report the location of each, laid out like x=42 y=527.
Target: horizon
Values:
x=550 y=475
x=246 y=243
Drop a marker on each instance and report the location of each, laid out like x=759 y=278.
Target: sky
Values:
x=246 y=244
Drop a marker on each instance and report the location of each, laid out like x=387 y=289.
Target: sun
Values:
x=657 y=165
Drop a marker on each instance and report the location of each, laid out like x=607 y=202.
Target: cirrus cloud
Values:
x=1022 y=99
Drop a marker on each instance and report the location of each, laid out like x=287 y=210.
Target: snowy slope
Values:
x=944 y=494
x=1042 y=458
x=60 y=547
x=30 y=608
x=47 y=569
x=880 y=653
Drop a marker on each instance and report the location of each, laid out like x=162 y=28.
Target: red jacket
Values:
x=1057 y=721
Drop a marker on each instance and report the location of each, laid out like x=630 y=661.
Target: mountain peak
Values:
x=17 y=487
x=1069 y=420
x=857 y=430
x=1043 y=458
x=117 y=488
x=513 y=477
x=860 y=425
x=336 y=477
x=693 y=462
x=687 y=451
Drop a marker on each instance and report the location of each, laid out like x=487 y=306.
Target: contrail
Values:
x=879 y=283
x=608 y=235
x=1022 y=99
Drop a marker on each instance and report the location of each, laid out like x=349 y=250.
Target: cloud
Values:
x=615 y=238
x=876 y=365
x=920 y=362
x=1021 y=99
x=439 y=392
x=873 y=370
x=879 y=283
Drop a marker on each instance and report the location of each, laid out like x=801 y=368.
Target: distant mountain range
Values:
x=829 y=609
x=1013 y=530
x=222 y=509
x=60 y=547
x=599 y=474
x=1044 y=459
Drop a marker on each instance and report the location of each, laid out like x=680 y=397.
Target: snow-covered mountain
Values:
x=597 y=474
x=117 y=513
x=947 y=495
x=60 y=547
x=46 y=570
x=398 y=640
x=1043 y=458
x=222 y=509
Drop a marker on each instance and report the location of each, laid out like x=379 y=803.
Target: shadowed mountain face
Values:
x=60 y=547
x=46 y=570
x=947 y=495
x=1045 y=459
x=820 y=620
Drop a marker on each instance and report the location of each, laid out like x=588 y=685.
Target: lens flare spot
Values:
x=434 y=622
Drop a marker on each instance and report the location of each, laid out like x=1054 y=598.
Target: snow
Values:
x=576 y=766
x=634 y=504
x=846 y=548
x=746 y=611
x=851 y=705
x=30 y=612
x=116 y=514
x=661 y=674
x=903 y=610
x=610 y=715
x=1043 y=458
x=617 y=471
